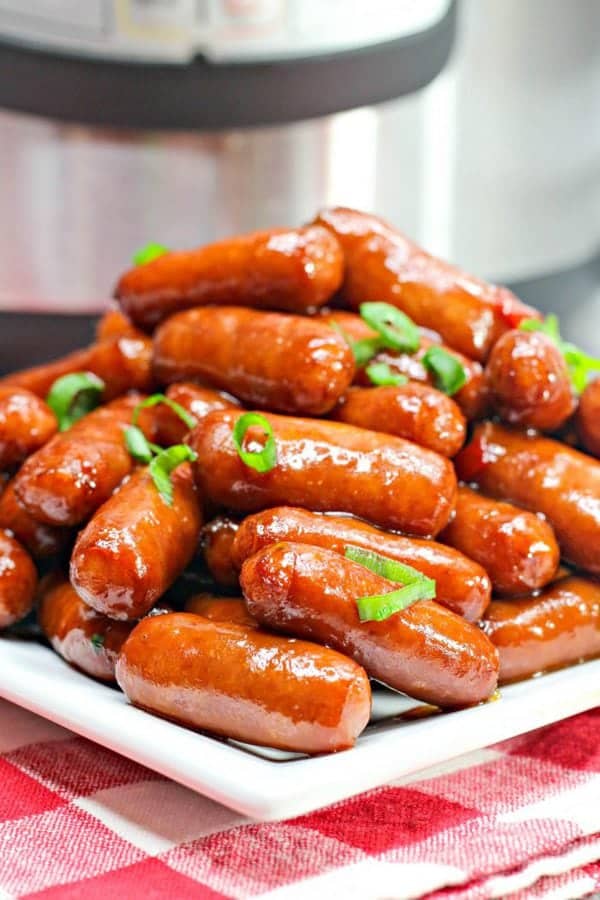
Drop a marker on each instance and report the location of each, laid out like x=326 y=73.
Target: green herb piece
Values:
x=154 y=399
x=579 y=364
x=396 y=330
x=163 y=464
x=148 y=253
x=381 y=374
x=74 y=396
x=137 y=444
x=259 y=460
x=381 y=606
x=448 y=373
x=365 y=349
x=97 y=641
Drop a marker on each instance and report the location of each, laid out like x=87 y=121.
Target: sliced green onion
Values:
x=365 y=349
x=259 y=460
x=154 y=399
x=381 y=374
x=163 y=464
x=580 y=364
x=381 y=606
x=97 y=641
x=449 y=375
x=137 y=445
x=74 y=396
x=148 y=253
x=383 y=565
x=397 y=331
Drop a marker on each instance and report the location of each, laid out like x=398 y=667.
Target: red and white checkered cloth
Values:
x=519 y=820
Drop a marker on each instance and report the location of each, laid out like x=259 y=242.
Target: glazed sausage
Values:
x=528 y=381
x=588 y=418
x=164 y=427
x=543 y=476
x=243 y=684
x=136 y=545
x=416 y=412
x=296 y=271
x=461 y=584
x=470 y=314
x=517 y=549
x=221 y=609
x=26 y=423
x=65 y=481
x=42 y=541
x=472 y=396
x=115 y=324
x=123 y=364
x=329 y=466
x=425 y=651
x=18 y=579
x=89 y=641
x=217 y=548
x=285 y=363
x=557 y=628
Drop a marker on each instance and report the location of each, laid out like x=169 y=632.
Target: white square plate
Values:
x=267 y=784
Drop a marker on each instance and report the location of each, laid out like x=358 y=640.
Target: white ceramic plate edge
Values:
x=32 y=676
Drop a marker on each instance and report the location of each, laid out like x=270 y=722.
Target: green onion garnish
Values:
x=137 y=444
x=580 y=365
x=164 y=463
x=381 y=606
x=97 y=641
x=449 y=375
x=381 y=374
x=260 y=460
x=74 y=396
x=396 y=330
x=148 y=253
x=154 y=399
x=365 y=349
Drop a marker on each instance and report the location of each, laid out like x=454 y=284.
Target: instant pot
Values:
x=475 y=127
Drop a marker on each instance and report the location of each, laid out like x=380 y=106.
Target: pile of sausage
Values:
x=492 y=492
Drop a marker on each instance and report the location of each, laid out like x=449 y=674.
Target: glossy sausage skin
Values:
x=41 y=540
x=83 y=637
x=543 y=476
x=296 y=270
x=26 y=424
x=123 y=364
x=517 y=549
x=588 y=418
x=73 y=474
x=115 y=324
x=461 y=584
x=241 y=683
x=425 y=651
x=472 y=397
x=18 y=579
x=415 y=412
x=285 y=363
x=383 y=264
x=557 y=628
x=329 y=466
x=164 y=427
x=136 y=545
x=221 y=609
x=217 y=548
x=528 y=381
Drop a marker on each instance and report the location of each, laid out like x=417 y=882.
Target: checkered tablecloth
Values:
x=518 y=820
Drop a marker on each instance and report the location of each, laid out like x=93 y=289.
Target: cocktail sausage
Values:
x=243 y=684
